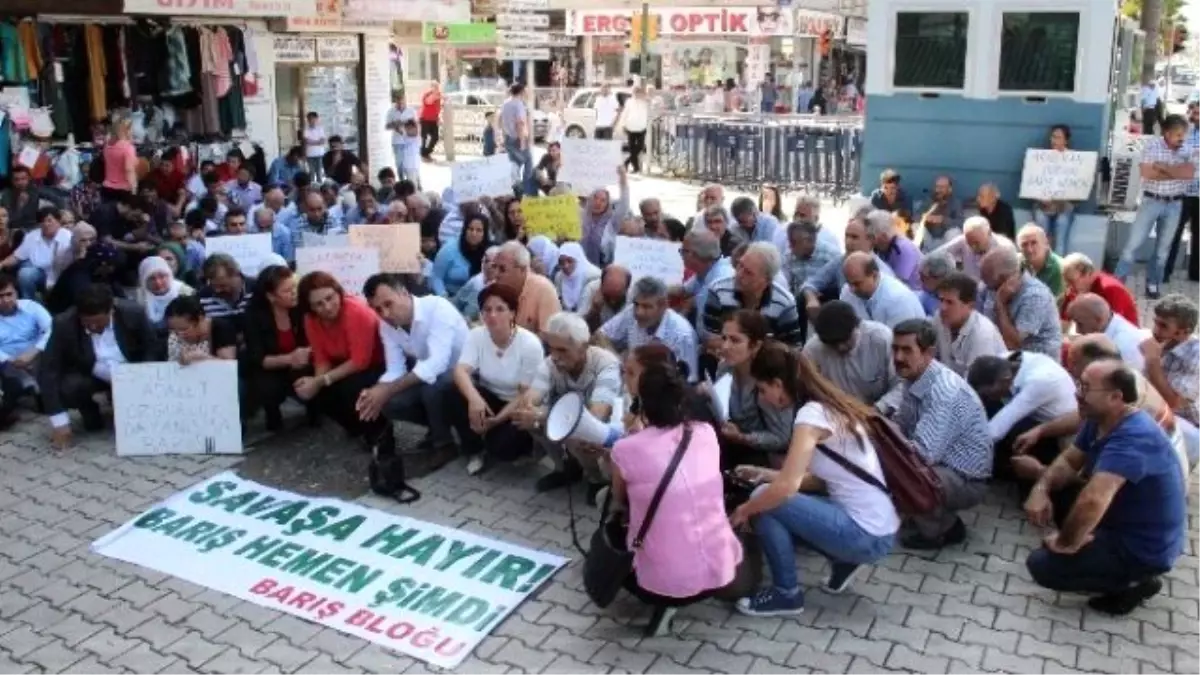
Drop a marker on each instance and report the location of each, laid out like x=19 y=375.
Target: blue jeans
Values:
x=1163 y=217
x=30 y=280
x=820 y=524
x=1057 y=227
x=1100 y=567
x=524 y=158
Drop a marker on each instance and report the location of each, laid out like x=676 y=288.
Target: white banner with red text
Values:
x=708 y=21
x=427 y=591
x=223 y=8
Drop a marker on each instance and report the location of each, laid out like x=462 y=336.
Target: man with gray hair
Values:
x=1023 y=308
x=574 y=365
x=1173 y=363
x=808 y=210
x=652 y=215
x=755 y=286
x=649 y=319
x=975 y=242
x=806 y=253
x=710 y=195
x=826 y=283
x=539 y=299
x=900 y=253
x=718 y=221
x=751 y=223
x=281 y=236
x=701 y=253
x=933 y=269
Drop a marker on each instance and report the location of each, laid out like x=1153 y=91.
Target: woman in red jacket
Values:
x=347 y=357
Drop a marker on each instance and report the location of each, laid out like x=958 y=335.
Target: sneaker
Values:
x=1124 y=602
x=1152 y=291
x=771 y=602
x=475 y=465
x=916 y=541
x=840 y=576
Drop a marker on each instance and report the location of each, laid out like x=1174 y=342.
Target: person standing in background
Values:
x=608 y=107
x=515 y=124
x=1191 y=205
x=314 y=145
x=1149 y=102
x=398 y=116
x=635 y=119
x=120 y=161
x=431 y=115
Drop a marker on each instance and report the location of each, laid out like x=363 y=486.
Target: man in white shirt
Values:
x=86 y=345
x=1021 y=390
x=635 y=119
x=422 y=339
x=1148 y=100
x=876 y=296
x=648 y=319
x=976 y=241
x=24 y=331
x=42 y=255
x=1092 y=314
x=963 y=334
x=397 y=117
x=315 y=142
x=608 y=107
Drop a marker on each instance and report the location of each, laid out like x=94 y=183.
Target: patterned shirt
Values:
x=246 y=196
x=1192 y=147
x=944 y=417
x=797 y=270
x=1034 y=313
x=83 y=198
x=673 y=330
x=1182 y=368
x=299 y=224
x=1155 y=151
x=778 y=307
x=600 y=380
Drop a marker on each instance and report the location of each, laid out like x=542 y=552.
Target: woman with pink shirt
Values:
x=690 y=549
x=120 y=161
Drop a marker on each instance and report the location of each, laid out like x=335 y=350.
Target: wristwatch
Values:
x=325 y=380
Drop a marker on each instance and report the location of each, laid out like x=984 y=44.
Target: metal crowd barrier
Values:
x=797 y=152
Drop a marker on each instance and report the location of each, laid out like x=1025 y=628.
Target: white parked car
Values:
x=472 y=105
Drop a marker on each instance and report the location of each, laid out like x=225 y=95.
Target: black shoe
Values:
x=93 y=420
x=593 y=489
x=840 y=576
x=957 y=534
x=274 y=419
x=1124 y=602
x=554 y=480
x=312 y=416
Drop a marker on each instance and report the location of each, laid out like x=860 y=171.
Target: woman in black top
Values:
x=277 y=351
x=194 y=337
x=547 y=168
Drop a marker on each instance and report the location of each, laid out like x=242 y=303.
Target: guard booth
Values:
x=964 y=87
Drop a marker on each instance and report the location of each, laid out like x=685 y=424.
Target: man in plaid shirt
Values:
x=1167 y=166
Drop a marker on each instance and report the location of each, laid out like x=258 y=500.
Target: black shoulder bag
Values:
x=609 y=562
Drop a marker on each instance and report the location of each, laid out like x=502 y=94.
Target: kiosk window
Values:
x=1038 y=50
x=931 y=50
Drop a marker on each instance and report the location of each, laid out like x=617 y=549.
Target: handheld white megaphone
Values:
x=570 y=418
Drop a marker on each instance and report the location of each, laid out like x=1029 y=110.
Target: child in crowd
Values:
x=489 y=134
x=411 y=155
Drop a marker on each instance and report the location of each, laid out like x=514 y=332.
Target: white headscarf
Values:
x=546 y=251
x=572 y=284
x=156 y=305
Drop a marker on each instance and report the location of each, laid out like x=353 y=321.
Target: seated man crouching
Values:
x=574 y=365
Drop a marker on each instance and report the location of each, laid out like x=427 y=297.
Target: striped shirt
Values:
x=673 y=330
x=944 y=417
x=1155 y=151
x=778 y=307
x=216 y=307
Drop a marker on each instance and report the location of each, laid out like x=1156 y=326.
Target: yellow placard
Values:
x=554 y=217
x=399 y=245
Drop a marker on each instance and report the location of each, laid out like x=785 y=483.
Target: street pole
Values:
x=1152 y=11
x=644 y=57
x=443 y=76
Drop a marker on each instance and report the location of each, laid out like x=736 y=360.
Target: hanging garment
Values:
x=209 y=106
x=97 y=72
x=250 y=76
x=222 y=56
x=13 y=66
x=233 y=105
x=178 y=69
x=50 y=81
x=32 y=50
x=123 y=57
x=116 y=87
x=76 y=78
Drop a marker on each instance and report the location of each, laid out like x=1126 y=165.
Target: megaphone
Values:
x=570 y=418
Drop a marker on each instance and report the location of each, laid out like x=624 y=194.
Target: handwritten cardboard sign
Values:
x=555 y=217
x=589 y=165
x=169 y=409
x=350 y=265
x=249 y=250
x=308 y=239
x=1058 y=175
x=487 y=177
x=650 y=258
x=399 y=245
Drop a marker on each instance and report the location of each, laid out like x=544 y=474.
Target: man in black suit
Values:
x=86 y=344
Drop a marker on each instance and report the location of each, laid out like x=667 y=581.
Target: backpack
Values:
x=912 y=484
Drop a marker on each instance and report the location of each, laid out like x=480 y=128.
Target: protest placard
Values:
x=169 y=409
x=425 y=590
x=555 y=217
x=350 y=265
x=308 y=239
x=249 y=250
x=650 y=258
x=399 y=245
x=487 y=177
x=1058 y=175
x=589 y=165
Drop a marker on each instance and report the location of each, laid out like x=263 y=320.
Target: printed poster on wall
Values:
x=589 y=165
x=1053 y=175
x=169 y=409
x=428 y=591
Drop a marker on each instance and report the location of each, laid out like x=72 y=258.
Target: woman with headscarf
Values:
x=98 y=266
x=157 y=287
x=601 y=218
x=177 y=259
x=544 y=255
x=574 y=274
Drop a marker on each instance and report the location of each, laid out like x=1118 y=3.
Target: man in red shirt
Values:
x=1081 y=276
x=431 y=115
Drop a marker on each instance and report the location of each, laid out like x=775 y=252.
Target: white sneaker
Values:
x=475 y=465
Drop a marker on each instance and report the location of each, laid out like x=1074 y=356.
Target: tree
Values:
x=1158 y=20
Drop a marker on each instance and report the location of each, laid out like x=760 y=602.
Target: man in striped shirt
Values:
x=754 y=286
x=226 y=292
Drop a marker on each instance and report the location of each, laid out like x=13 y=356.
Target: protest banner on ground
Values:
x=428 y=591
x=555 y=217
x=1058 y=175
x=249 y=250
x=169 y=409
x=589 y=165
x=487 y=177
x=650 y=258
x=399 y=245
x=309 y=239
x=350 y=265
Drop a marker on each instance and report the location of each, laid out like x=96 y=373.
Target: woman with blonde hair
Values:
x=854 y=525
x=120 y=161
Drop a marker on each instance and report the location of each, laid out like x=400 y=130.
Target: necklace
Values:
x=500 y=350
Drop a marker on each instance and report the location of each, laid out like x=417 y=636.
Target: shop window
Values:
x=1038 y=50
x=421 y=64
x=931 y=50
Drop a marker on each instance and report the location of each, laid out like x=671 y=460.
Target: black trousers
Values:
x=1190 y=216
x=12 y=390
x=604 y=133
x=505 y=441
x=1149 y=120
x=339 y=400
x=429 y=137
x=637 y=146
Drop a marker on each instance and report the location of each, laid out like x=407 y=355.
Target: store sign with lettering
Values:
x=295 y=49
x=682 y=21
x=238 y=8
x=339 y=49
x=814 y=24
x=449 y=11
x=329 y=18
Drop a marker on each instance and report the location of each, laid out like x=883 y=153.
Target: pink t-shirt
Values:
x=119 y=158
x=690 y=547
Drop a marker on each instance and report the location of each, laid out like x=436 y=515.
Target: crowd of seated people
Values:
x=997 y=361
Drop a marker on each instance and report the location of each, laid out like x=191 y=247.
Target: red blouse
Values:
x=353 y=337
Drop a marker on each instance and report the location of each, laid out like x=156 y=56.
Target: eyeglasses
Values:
x=1084 y=389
